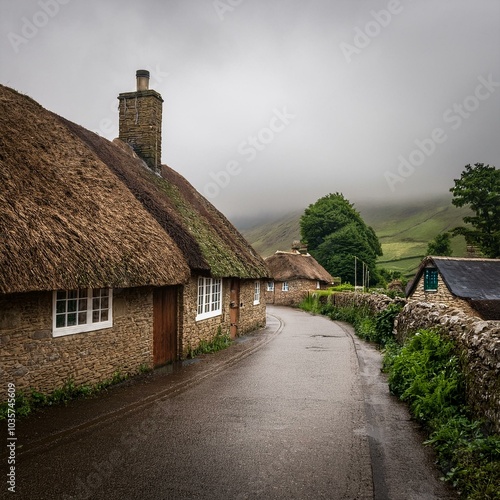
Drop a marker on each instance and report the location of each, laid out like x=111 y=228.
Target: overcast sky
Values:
x=271 y=104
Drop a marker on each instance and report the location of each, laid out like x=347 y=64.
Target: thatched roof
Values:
x=66 y=220
x=287 y=266
x=209 y=242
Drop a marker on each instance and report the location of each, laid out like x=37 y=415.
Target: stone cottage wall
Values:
x=297 y=292
x=193 y=332
x=31 y=358
x=252 y=316
x=442 y=295
x=478 y=342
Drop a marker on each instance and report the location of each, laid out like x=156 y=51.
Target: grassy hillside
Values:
x=404 y=231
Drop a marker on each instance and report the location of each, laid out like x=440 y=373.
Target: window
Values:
x=270 y=286
x=284 y=286
x=318 y=285
x=430 y=279
x=256 y=294
x=78 y=311
x=209 y=298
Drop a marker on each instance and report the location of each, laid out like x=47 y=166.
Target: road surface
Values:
x=305 y=416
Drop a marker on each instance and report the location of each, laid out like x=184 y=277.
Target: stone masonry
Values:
x=297 y=291
x=140 y=124
x=193 y=332
x=478 y=343
x=441 y=295
x=31 y=358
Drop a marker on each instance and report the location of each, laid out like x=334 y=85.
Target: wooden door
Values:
x=164 y=325
x=234 y=311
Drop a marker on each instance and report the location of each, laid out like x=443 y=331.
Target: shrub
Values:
x=426 y=373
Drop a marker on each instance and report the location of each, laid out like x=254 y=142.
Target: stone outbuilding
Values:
x=470 y=284
x=108 y=262
x=295 y=274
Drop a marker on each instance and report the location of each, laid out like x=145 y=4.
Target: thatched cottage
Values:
x=110 y=261
x=472 y=285
x=294 y=275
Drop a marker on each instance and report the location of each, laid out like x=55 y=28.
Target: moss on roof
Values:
x=210 y=243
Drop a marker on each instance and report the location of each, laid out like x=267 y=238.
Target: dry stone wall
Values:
x=478 y=343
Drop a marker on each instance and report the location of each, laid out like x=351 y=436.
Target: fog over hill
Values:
x=404 y=229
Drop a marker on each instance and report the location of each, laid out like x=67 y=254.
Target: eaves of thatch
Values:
x=209 y=242
x=288 y=266
x=66 y=220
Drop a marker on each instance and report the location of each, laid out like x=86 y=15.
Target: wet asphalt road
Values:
x=300 y=418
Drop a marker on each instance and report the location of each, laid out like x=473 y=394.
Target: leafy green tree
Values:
x=479 y=188
x=440 y=245
x=335 y=233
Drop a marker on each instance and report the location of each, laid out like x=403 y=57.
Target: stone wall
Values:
x=297 y=292
x=31 y=358
x=252 y=317
x=441 y=295
x=193 y=332
x=478 y=343
x=375 y=302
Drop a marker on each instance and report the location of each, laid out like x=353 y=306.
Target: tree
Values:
x=440 y=245
x=335 y=233
x=479 y=188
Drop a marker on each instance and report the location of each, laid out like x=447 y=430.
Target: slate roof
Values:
x=472 y=279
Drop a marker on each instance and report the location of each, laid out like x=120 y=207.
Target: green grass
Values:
x=219 y=342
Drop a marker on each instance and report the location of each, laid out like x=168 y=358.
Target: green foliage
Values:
x=335 y=233
x=479 y=188
x=440 y=245
x=344 y=287
x=219 y=342
x=426 y=373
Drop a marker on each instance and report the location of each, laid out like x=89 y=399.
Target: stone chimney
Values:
x=299 y=247
x=140 y=121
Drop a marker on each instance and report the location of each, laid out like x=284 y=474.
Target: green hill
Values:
x=404 y=230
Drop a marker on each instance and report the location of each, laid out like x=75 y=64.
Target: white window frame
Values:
x=270 y=286
x=94 y=305
x=256 y=294
x=284 y=286
x=318 y=285
x=209 y=301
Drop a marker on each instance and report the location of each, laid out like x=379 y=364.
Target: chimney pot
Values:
x=142 y=76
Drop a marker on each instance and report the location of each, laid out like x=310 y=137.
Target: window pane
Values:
x=95 y=317
x=72 y=294
x=60 y=321
x=60 y=306
x=95 y=304
x=82 y=318
x=71 y=319
x=82 y=305
x=61 y=295
x=71 y=305
x=104 y=303
x=104 y=315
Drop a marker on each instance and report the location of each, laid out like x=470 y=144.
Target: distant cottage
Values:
x=472 y=285
x=110 y=261
x=295 y=274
